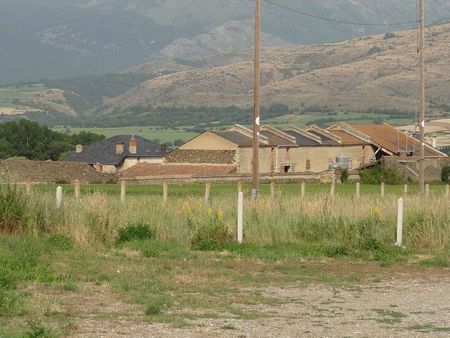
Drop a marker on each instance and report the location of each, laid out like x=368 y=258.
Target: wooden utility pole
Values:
x=256 y=103
x=422 y=95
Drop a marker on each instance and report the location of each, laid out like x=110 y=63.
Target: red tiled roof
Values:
x=394 y=140
x=173 y=170
x=348 y=139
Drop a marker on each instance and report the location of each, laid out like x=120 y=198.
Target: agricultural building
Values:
x=281 y=151
x=118 y=153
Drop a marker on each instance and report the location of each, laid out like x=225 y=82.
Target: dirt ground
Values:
x=407 y=305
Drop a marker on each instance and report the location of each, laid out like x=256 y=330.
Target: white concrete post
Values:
x=303 y=189
x=382 y=189
x=207 y=191
x=165 y=192
x=240 y=218
x=273 y=192
x=77 y=185
x=427 y=190
x=333 y=188
x=59 y=197
x=399 y=222
x=358 y=189
x=240 y=187
x=123 y=190
x=405 y=189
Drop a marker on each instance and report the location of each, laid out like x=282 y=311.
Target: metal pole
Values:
x=422 y=95
x=256 y=103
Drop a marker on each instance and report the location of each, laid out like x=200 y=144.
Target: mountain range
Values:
x=49 y=39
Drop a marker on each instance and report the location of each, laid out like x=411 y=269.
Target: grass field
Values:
x=222 y=190
x=149 y=132
x=96 y=263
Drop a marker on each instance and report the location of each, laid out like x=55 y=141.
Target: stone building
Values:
x=118 y=153
x=281 y=151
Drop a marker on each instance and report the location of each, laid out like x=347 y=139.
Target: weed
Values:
x=135 y=231
x=60 y=242
x=437 y=261
x=38 y=330
x=13 y=210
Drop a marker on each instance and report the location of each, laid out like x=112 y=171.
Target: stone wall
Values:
x=18 y=171
x=409 y=167
x=201 y=156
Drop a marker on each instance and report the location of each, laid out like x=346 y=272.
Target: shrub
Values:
x=13 y=210
x=344 y=175
x=445 y=174
x=212 y=235
x=137 y=231
x=377 y=174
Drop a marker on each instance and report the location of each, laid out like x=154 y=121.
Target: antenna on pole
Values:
x=422 y=95
x=256 y=102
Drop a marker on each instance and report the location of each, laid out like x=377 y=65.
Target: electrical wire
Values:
x=345 y=22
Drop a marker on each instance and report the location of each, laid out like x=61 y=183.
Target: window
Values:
x=308 y=164
x=287 y=168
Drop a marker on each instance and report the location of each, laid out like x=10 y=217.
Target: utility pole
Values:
x=256 y=103
x=422 y=95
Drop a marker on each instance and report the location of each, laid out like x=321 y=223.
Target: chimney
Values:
x=98 y=167
x=163 y=148
x=120 y=148
x=79 y=148
x=133 y=145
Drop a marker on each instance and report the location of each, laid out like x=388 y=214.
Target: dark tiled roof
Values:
x=235 y=137
x=302 y=140
x=325 y=140
x=276 y=140
x=104 y=151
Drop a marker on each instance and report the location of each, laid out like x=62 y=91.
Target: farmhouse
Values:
x=118 y=153
x=281 y=151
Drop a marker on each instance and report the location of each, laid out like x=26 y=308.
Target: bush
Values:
x=445 y=174
x=212 y=235
x=377 y=174
x=137 y=231
x=13 y=210
x=344 y=175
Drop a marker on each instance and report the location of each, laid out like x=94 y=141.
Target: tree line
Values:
x=27 y=139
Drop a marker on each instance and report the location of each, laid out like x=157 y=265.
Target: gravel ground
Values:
x=412 y=306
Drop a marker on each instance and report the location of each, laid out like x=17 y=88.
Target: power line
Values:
x=345 y=22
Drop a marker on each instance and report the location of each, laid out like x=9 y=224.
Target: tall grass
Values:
x=318 y=219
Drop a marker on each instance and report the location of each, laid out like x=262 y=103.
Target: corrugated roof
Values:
x=235 y=137
x=173 y=170
x=303 y=140
x=325 y=140
x=394 y=140
x=104 y=151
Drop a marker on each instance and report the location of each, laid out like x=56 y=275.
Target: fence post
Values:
x=447 y=190
x=28 y=186
x=303 y=189
x=405 y=189
x=240 y=218
x=77 y=189
x=207 y=191
x=333 y=187
x=273 y=192
x=358 y=189
x=382 y=189
x=240 y=187
x=59 y=197
x=399 y=222
x=165 y=192
x=123 y=190
x=427 y=190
